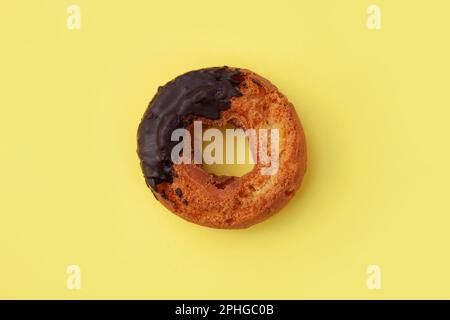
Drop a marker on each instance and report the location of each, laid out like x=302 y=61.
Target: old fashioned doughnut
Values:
x=217 y=97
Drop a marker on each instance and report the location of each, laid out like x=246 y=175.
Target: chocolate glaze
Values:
x=200 y=93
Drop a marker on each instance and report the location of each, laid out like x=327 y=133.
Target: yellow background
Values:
x=375 y=106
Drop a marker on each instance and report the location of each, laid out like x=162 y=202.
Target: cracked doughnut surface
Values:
x=225 y=201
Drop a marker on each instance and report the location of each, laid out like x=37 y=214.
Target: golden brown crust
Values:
x=239 y=202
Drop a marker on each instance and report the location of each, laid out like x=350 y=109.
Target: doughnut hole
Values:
x=239 y=146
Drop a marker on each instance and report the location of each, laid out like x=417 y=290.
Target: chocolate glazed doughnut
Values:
x=216 y=97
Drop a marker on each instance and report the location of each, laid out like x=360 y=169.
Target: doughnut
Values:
x=217 y=97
